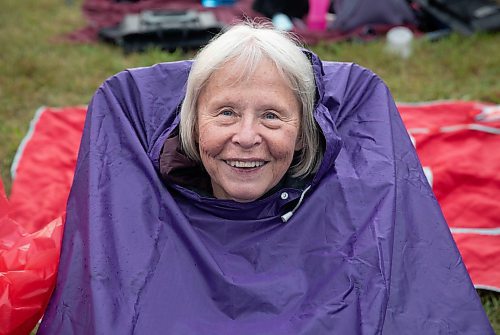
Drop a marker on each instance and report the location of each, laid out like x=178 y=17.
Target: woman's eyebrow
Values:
x=223 y=100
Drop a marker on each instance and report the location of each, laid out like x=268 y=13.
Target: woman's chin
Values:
x=243 y=197
x=240 y=193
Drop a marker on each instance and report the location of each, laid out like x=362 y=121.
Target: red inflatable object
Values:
x=31 y=221
x=28 y=267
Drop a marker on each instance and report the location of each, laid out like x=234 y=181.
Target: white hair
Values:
x=246 y=45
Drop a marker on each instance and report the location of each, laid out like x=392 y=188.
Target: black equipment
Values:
x=168 y=30
x=465 y=16
x=292 y=8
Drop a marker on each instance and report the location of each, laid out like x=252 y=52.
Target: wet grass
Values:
x=39 y=67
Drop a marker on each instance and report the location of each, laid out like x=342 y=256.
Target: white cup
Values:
x=399 y=40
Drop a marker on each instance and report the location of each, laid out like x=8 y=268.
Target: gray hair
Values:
x=247 y=44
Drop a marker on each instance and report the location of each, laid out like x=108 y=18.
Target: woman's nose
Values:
x=247 y=134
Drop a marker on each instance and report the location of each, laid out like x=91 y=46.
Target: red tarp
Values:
x=457 y=143
x=43 y=167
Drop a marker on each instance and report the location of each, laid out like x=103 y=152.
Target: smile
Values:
x=241 y=164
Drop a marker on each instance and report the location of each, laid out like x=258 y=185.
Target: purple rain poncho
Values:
x=366 y=251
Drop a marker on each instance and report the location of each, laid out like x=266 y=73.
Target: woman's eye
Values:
x=226 y=112
x=270 y=116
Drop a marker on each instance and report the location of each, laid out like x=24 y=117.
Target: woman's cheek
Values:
x=282 y=147
x=209 y=143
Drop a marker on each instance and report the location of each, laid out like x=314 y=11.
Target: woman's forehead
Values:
x=240 y=70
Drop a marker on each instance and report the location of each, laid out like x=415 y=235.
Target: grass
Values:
x=39 y=67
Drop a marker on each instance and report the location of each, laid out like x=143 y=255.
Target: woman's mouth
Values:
x=245 y=164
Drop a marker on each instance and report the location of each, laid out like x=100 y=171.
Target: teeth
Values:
x=240 y=164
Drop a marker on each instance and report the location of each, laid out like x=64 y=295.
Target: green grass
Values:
x=39 y=67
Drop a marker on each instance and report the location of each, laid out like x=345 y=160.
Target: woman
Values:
x=284 y=198
x=247 y=113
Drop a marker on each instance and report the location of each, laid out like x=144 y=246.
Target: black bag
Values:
x=168 y=30
x=292 y=8
x=465 y=16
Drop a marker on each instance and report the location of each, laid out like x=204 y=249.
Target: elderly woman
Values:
x=256 y=190
x=247 y=115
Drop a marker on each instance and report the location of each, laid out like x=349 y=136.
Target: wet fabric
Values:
x=366 y=250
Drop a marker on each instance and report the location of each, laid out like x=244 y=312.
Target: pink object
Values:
x=316 y=18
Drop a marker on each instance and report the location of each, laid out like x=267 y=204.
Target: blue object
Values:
x=282 y=21
x=216 y=3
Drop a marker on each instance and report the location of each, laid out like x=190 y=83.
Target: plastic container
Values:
x=316 y=18
x=282 y=22
x=217 y=3
x=399 y=41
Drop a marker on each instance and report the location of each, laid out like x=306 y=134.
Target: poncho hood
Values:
x=365 y=249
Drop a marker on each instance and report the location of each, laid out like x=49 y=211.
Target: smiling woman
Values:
x=245 y=50
x=248 y=113
x=247 y=131
x=254 y=190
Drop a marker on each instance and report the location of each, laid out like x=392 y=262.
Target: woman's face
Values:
x=247 y=131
